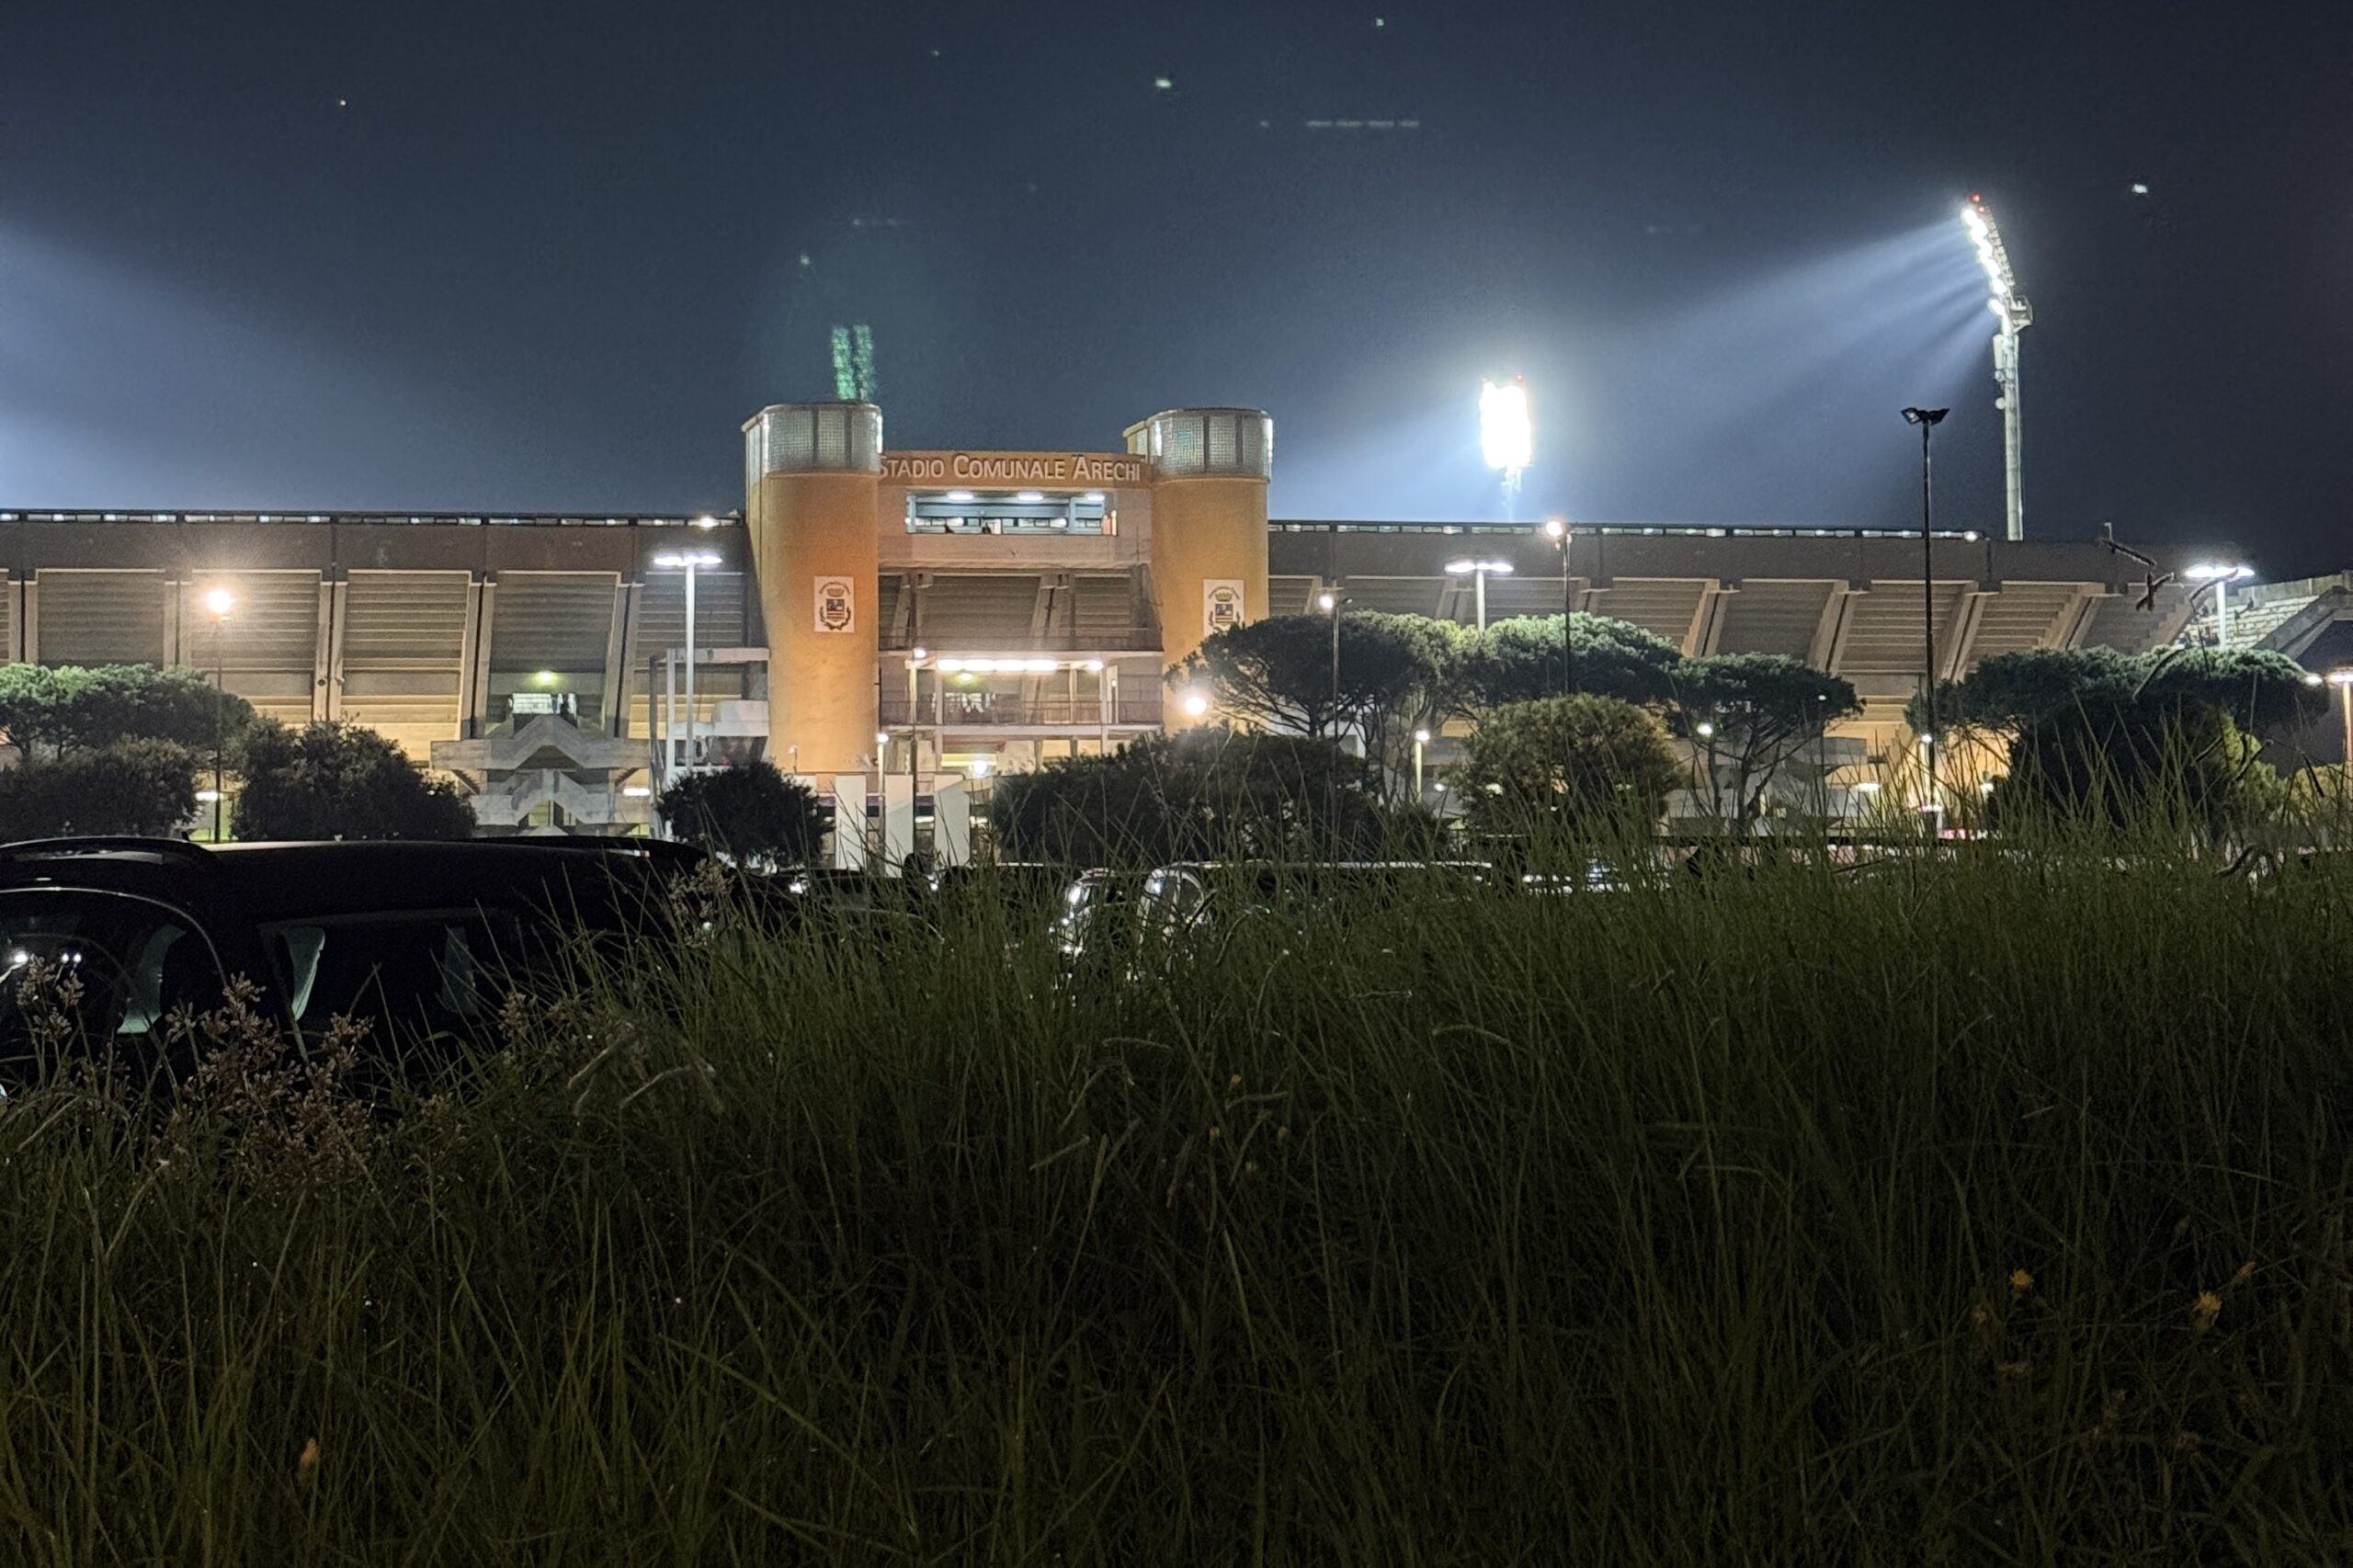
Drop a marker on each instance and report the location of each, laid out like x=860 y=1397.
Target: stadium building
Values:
x=898 y=626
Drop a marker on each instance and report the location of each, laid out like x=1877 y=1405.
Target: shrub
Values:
x=750 y=811
x=1581 y=762
x=339 y=781
x=77 y=709
x=1523 y=658
x=1203 y=794
x=146 y=787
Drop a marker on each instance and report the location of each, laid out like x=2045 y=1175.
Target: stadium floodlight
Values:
x=2221 y=574
x=2010 y=307
x=1507 y=434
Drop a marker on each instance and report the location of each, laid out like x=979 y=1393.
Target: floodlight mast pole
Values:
x=2016 y=314
x=2006 y=376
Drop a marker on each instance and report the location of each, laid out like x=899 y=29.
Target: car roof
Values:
x=279 y=881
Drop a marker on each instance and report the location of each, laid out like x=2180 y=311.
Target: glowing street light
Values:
x=1506 y=434
x=1480 y=570
x=2010 y=307
x=1557 y=529
x=1329 y=603
x=222 y=604
x=2221 y=574
x=1195 y=704
x=2341 y=678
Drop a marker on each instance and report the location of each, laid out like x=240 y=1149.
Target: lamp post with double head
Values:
x=1479 y=571
x=2218 y=575
x=689 y=562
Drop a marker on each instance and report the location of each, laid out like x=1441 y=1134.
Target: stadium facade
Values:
x=898 y=626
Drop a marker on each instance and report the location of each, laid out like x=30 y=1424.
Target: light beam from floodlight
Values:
x=2010 y=307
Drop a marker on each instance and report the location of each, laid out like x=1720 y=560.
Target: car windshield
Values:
x=84 y=969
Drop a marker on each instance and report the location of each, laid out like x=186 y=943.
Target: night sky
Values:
x=502 y=255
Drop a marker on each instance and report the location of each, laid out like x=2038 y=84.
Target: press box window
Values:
x=1011 y=512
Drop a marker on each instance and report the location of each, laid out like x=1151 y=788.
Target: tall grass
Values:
x=1972 y=1214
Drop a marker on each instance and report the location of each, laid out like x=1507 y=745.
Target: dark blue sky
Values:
x=549 y=257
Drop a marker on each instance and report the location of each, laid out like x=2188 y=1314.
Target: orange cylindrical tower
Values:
x=809 y=477
x=1208 y=522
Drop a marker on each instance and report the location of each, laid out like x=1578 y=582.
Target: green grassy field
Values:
x=1991 y=1215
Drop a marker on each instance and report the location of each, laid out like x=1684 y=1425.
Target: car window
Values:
x=133 y=960
x=406 y=974
x=1173 y=900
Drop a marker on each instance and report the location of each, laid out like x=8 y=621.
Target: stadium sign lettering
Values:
x=1015 y=468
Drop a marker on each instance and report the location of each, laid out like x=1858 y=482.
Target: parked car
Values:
x=1097 y=913
x=419 y=940
x=1016 y=884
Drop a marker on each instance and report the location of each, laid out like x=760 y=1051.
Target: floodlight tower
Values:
x=1506 y=437
x=2015 y=315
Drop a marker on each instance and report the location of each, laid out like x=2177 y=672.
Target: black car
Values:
x=417 y=939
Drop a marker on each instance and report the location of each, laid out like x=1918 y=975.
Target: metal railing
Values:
x=985 y=709
x=356 y=519
x=1135 y=640
x=1619 y=530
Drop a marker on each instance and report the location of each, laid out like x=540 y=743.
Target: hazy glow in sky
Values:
x=446 y=255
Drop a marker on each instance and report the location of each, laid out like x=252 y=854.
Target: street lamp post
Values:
x=1927 y=419
x=1421 y=739
x=1559 y=531
x=2341 y=678
x=1329 y=603
x=689 y=562
x=915 y=736
x=222 y=604
x=1479 y=570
